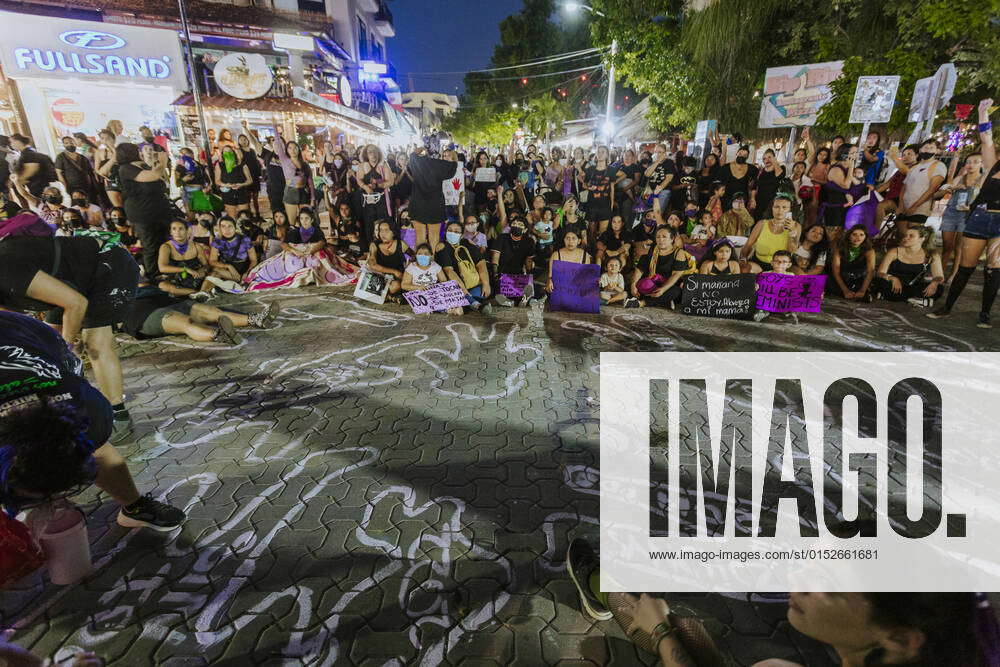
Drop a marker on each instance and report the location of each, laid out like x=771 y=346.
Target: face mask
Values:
x=741 y=159
x=471 y=228
x=516 y=232
x=737 y=205
x=924 y=155
x=71 y=149
x=691 y=212
x=338 y=163
x=453 y=237
x=54 y=199
x=118 y=222
x=498 y=163
x=356 y=167
x=423 y=261
x=79 y=202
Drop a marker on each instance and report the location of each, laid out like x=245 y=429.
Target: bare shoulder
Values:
x=775 y=662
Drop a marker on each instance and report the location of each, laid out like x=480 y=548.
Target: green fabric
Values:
x=595 y=587
x=229 y=158
x=852 y=253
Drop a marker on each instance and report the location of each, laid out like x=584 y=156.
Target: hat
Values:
x=738 y=195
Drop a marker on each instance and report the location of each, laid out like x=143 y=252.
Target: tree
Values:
x=544 y=114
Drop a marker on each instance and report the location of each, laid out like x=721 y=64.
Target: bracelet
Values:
x=661 y=632
x=986 y=127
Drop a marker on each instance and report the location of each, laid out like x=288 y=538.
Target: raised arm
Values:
x=986 y=136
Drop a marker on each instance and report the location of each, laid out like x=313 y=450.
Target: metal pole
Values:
x=192 y=78
x=611 y=93
x=863 y=142
x=790 y=148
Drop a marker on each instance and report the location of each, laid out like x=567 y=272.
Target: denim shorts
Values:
x=953 y=220
x=983 y=224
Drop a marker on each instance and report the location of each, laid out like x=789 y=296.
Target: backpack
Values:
x=24 y=224
x=466 y=267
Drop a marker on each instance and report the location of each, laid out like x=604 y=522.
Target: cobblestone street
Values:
x=366 y=486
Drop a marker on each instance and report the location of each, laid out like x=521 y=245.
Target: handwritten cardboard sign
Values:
x=512 y=284
x=372 y=286
x=730 y=297
x=780 y=293
x=441 y=296
x=486 y=175
x=576 y=287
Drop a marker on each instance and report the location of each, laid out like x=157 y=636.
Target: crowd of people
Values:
x=119 y=234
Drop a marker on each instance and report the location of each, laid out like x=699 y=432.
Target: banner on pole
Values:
x=794 y=95
x=781 y=293
x=729 y=297
x=441 y=296
x=576 y=287
x=874 y=99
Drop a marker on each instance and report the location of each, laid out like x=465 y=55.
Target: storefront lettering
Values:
x=93 y=63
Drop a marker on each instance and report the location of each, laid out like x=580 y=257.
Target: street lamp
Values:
x=609 y=124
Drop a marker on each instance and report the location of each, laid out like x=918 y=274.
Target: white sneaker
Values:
x=761 y=315
x=503 y=301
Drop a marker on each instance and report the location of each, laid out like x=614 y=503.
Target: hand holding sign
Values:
x=442 y=296
x=781 y=293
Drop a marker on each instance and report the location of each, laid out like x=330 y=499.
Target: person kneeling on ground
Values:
x=155 y=314
x=55 y=430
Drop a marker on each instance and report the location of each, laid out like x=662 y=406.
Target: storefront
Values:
x=75 y=76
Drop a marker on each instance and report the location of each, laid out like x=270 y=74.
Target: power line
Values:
x=526 y=95
x=571 y=55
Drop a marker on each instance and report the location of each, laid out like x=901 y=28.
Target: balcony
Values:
x=383 y=22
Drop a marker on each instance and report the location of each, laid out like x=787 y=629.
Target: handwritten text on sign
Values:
x=576 y=287
x=779 y=293
x=512 y=284
x=437 y=297
x=731 y=297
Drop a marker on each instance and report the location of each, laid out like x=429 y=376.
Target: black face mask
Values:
x=117 y=222
x=54 y=199
x=516 y=233
x=71 y=149
x=79 y=202
x=741 y=159
x=924 y=156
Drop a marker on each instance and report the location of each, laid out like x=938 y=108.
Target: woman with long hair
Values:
x=657 y=278
x=835 y=197
x=912 y=272
x=853 y=266
x=304 y=259
x=810 y=258
x=375 y=178
x=298 y=175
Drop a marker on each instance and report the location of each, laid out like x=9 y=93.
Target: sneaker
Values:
x=581 y=563
x=264 y=318
x=529 y=291
x=794 y=317
x=200 y=297
x=227 y=332
x=228 y=286
x=502 y=300
x=920 y=303
x=121 y=428
x=486 y=308
x=939 y=314
x=149 y=513
x=761 y=315
x=632 y=302
x=984 y=321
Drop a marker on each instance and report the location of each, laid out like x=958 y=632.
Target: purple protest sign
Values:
x=863 y=214
x=512 y=284
x=780 y=293
x=408 y=235
x=441 y=296
x=576 y=287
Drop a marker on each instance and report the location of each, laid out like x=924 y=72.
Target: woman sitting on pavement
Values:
x=572 y=251
x=616 y=241
x=182 y=264
x=155 y=314
x=720 y=260
x=464 y=264
x=810 y=258
x=233 y=255
x=779 y=232
x=387 y=255
x=304 y=260
x=657 y=279
x=424 y=272
x=912 y=272
x=853 y=266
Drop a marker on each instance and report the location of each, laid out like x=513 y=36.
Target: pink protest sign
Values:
x=441 y=296
x=780 y=293
x=512 y=284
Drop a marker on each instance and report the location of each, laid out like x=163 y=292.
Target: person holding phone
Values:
x=780 y=232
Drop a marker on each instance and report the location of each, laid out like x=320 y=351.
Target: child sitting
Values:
x=424 y=272
x=781 y=262
x=613 y=283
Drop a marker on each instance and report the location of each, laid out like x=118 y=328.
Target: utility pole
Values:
x=193 y=79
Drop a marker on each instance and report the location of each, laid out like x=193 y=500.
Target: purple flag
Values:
x=863 y=214
x=409 y=236
x=576 y=287
x=780 y=293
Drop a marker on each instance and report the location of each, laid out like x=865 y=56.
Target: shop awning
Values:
x=273 y=105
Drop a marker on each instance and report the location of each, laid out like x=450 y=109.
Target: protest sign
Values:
x=576 y=287
x=512 y=284
x=731 y=297
x=454 y=187
x=863 y=213
x=794 y=95
x=408 y=235
x=486 y=175
x=874 y=98
x=372 y=286
x=780 y=293
x=441 y=296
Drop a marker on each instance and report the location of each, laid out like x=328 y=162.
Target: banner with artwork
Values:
x=781 y=293
x=794 y=95
x=874 y=98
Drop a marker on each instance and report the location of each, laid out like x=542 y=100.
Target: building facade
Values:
x=430 y=108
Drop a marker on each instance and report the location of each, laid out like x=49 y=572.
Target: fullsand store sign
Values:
x=43 y=47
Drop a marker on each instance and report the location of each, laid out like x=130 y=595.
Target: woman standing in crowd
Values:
x=146 y=203
x=106 y=164
x=836 y=195
x=853 y=266
x=233 y=178
x=964 y=187
x=768 y=180
x=780 y=232
x=599 y=182
x=374 y=180
x=739 y=176
x=912 y=272
x=819 y=174
x=256 y=169
x=297 y=175
x=982 y=229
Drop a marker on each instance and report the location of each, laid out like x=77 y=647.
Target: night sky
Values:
x=444 y=36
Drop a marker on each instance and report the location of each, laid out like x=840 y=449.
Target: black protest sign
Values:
x=731 y=297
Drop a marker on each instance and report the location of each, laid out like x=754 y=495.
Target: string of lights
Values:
x=527 y=96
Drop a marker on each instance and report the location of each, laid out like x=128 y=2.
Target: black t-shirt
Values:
x=45 y=174
x=633 y=172
x=641 y=233
x=275 y=175
x=294 y=235
x=21 y=257
x=427 y=196
x=612 y=242
x=76 y=172
x=513 y=253
x=599 y=183
x=665 y=264
x=580 y=227
x=252 y=162
x=143 y=200
x=445 y=257
x=662 y=170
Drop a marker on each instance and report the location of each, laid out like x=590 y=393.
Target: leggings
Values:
x=914 y=291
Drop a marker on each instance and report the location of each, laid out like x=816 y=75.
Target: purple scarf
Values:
x=306 y=233
x=181 y=249
x=234 y=249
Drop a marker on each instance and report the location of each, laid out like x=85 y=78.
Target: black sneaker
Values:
x=263 y=319
x=121 y=426
x=227 y=332
x=939 y=314
x=631 y=302
x=984 y=321
x=149 y=513
x=581 y=561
